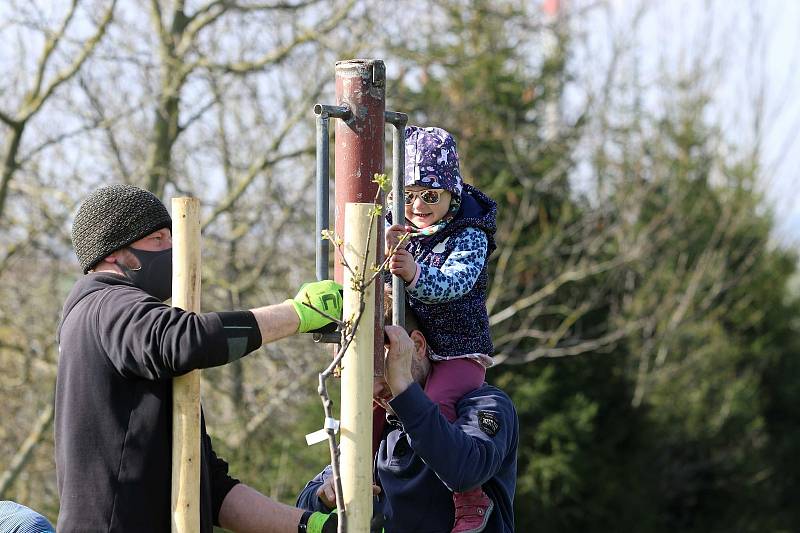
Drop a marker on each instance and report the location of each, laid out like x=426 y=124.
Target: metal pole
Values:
x=398 y=120
x=324 y=113
x=323 y=155
x=186 y=388
x=359 y=155
x=359 y=150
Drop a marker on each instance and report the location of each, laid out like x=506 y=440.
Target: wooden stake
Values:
x=186 y=388
x=357 y=372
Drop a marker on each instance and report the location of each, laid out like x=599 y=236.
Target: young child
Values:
x=443 y=262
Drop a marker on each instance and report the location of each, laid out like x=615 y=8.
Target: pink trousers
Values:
x=447 y=382
x=450 y=380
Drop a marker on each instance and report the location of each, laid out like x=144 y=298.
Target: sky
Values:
x=782 y=144
x=754 y=45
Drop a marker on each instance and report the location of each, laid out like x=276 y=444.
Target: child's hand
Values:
x=393 y=235
x=402 y=264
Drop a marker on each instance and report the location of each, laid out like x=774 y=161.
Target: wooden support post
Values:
x=357 y=372
x=186 y=388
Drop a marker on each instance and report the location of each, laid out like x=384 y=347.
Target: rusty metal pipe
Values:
x=359 y=155
x=332 y=111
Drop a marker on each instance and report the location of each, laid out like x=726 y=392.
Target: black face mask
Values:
x=155 y=275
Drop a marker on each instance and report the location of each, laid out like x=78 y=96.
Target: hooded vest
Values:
x=458 y=327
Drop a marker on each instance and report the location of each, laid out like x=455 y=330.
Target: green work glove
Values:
x=323 y=295
x=323 y=523
x=329 y=523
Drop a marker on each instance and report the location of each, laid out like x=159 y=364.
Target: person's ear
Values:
x=113 y=257
x=420 y=343
x=122 y=257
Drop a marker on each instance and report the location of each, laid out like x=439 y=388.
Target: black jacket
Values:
x=119 y=349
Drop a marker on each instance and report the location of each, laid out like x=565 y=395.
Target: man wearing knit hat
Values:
x=120 y=345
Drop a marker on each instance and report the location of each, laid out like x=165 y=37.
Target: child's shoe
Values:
x=472 y=510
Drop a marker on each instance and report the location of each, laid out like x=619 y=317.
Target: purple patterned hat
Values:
x=432 y=159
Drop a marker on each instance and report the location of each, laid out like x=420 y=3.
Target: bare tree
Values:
x=209 y=99
x=50 y=72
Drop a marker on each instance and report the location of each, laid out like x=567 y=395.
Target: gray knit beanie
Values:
x=111 y=218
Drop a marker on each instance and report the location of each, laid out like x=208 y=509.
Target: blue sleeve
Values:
x=308 y=499
x=18 y=518
x=458 y=274
x=471 y=450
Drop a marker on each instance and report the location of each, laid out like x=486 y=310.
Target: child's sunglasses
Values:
x=429 y=196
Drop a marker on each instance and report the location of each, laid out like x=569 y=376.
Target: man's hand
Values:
x=399 y=356
x=324 y=296
x=380 y=390
x=402 y=264
x=327 y=493
x=329 y=523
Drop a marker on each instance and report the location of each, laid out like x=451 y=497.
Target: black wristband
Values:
x=302 y=527
x=241 y=330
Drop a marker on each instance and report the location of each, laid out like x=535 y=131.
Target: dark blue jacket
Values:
x=461 y=326
x=423 y=458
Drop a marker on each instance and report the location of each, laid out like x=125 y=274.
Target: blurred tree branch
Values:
x=35 y=98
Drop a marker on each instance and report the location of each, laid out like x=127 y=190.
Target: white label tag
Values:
x=322 y=434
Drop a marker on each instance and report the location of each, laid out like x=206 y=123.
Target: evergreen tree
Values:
x=649 y=316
